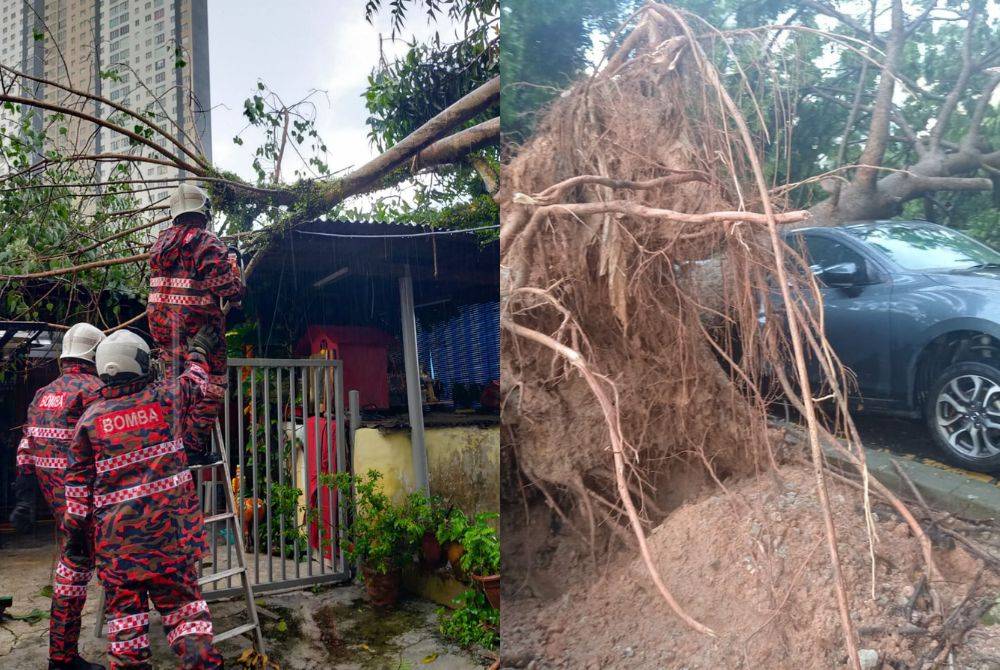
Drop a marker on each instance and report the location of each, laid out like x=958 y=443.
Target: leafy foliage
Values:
x=405 y=93
x=41 y=226
x=548 y=44
x=381 y=534
x=545 y=47
x=477 y=536
x=475 y=622
x=286 y=128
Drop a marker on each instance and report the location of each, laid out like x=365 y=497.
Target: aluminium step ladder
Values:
x=226 y=517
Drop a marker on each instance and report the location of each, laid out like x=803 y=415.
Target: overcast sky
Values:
x=294 y=47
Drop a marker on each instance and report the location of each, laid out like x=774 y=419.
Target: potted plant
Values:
x=383 y=536
x=481 y=559
x=430 y=514
x=450 y=533
x=473 y=549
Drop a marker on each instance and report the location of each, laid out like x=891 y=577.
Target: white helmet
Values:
x=80 y=341
x=122 y=353
x=188 y=198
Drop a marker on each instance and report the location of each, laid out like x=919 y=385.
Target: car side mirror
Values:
x=842 y=275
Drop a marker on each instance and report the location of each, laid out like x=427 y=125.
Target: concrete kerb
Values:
x=944 y=488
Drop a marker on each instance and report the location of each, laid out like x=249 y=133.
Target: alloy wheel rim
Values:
x=967 y=412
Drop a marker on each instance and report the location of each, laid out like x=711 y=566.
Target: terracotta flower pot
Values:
x=431 y=554
x=383 y=589
x=454 y=551
x=491 y=587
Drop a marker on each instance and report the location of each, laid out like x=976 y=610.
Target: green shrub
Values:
x=381 y=535
x=477 y=537
x=474 y=622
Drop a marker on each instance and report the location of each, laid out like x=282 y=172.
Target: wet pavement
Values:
x=907 y=436
x=910 y=438
x=328 y=627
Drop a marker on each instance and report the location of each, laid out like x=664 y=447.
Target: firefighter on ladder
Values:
x=128 y=476
x=41 y=462
x=190 y=270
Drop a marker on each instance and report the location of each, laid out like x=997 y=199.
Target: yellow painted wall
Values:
x=463 y=463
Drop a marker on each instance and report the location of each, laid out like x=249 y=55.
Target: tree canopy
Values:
x=76 y=224
x=907 y=88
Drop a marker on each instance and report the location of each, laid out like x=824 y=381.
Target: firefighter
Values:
x=41 y=462
x=128 y=476
x=190 y=270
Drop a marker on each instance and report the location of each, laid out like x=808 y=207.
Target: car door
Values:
x=856 y=318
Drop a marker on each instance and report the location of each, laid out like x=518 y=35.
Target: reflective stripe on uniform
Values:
x=133 y=492
x=107 y=464
x=220 y=281
x=69 y=573
x=69 y=590
x=187 y=300
x=190 y=628
x=77 y=491
x=185 y=612
x=77 y=509
x=192 y=284
x=174 y=282
x=50 y=433
x=48 y=463
x=23 y=452
x=134 y=644
x=128 y=622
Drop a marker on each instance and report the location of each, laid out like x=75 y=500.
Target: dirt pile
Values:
x=751 y=565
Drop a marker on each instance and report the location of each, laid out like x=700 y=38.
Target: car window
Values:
x=927 y=247
x=823 y=252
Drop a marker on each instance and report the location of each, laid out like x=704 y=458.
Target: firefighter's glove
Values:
x=22 y=517
x=203 y=341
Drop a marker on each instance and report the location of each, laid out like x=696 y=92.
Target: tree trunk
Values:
x=937 y=170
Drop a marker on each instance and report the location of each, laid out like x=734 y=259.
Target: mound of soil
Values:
x=753 y=566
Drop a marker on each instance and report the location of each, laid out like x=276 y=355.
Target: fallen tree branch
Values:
x=138 y=258
x=458 y=146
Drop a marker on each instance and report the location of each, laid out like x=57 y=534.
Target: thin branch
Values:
x=155 y=127
x=951 y=100
x=139 y=258
x=41 y=104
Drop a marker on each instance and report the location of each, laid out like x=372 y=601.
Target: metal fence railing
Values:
x=283 y=422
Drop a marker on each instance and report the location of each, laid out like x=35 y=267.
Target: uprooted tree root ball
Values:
x=639 y=245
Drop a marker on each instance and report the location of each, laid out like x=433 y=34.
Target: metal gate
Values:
x=283 y=422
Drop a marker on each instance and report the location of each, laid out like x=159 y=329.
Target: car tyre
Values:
x=963 y=415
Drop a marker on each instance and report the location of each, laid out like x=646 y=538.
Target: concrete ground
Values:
x=327 y=627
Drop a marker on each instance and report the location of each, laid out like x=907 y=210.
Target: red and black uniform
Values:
x=42 y=453
x=128 y=474
x=191 y=269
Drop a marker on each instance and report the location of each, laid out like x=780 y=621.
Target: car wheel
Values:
x=963 y=413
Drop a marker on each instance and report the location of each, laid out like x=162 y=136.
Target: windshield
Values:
x=924 y=248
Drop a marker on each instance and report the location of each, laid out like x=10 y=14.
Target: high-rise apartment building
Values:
x=150 y=56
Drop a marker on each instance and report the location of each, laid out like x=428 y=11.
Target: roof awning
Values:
x=39 y=338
